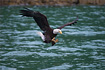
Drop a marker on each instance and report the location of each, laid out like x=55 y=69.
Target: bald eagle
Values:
x=49 y=34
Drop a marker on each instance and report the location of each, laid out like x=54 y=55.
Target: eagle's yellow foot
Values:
x=54 y=40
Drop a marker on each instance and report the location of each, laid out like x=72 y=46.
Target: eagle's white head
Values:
x=56 y=31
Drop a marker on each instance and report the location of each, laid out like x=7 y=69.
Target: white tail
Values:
x=41 y=35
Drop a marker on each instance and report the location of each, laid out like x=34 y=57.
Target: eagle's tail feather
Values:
x=41 y=35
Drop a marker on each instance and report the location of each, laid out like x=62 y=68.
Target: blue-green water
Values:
x=80 y=47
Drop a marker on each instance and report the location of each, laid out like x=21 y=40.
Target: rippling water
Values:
x=80 y=47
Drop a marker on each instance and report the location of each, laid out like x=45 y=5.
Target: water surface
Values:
x=80 y=47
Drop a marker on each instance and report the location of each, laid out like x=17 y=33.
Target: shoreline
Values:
x=50 y=2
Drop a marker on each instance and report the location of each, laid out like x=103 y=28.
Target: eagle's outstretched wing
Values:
x=40 y=19
x=69 y=24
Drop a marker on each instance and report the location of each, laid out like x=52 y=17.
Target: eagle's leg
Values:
x=54 y=40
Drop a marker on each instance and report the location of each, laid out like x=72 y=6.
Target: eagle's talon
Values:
x=54 y=40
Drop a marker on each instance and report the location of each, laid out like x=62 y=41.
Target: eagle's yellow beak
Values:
x=60 y=32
